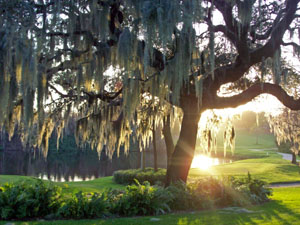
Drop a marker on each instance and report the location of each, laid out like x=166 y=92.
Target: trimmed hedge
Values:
x=148 y=174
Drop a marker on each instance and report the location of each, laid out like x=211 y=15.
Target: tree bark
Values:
x=143 y=160
x=154 y=147
x=184 y=150
x=168 y=139
x=294 y=158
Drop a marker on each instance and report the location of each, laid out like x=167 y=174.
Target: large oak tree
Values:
x=104 y=60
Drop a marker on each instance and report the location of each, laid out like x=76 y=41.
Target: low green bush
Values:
x=148 y=174
x=28 y=200
x=43 y=200
x=81 y=206
x=141 y=199
x=255 y=189
x=183 y=197
x=211 y=192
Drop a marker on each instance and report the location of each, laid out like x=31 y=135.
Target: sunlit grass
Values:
x=271 y=169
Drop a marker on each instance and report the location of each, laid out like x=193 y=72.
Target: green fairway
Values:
x=261 y=160
x=284 y=209
x=271 y=169
x=244 y=142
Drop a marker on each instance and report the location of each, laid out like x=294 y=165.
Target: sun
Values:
x=204 y=162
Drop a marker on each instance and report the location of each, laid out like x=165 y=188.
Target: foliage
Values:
x=38 y=200
x=218 y=192
x=255 y=189
x=286 y=128
x=148 y=174
x=142 y=199
x=183 y=197
x=82 y=205
x=276 y=212
x=152 y=48
x=284 y=147
x=28 y=199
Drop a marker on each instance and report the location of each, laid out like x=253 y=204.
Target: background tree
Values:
x=98 y=60
x=286 y=127
x=286 y=124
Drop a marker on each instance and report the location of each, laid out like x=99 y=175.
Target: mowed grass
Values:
x=284 y=209
x=270 y=169
x=96 y=185
x=260 y=160
x=244 y=143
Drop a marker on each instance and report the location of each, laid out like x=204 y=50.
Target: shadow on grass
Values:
x=289 y=169
x=270 y=213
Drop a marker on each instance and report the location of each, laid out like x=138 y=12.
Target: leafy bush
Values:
x=182 y=197
x=148 y=174
x=38 y=199
x=81 y=206
x=255 y=189
x=217 y=192
x=26 y=200
x=141 y=199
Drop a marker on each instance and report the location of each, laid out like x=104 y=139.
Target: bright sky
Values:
x=264 y=103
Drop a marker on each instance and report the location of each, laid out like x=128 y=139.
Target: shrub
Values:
x=81 y=206
x=211 y=192
x=141 y=199
x=148 y=174
x=182 y=197
x=255 y=189
x=218 y=192
x=39 y=199
x=26 y=200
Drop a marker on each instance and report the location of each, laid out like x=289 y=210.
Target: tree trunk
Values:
x=143 y=160
x=294 y=158
x=154 y=147
x=184 y=150
x=168 y=139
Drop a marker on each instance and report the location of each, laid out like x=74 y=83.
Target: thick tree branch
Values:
x=106 y=96
x=254 y=91
x=293 y=44
x=273 y=44
x=234 y=71
x=228 y=33
x=267 y=34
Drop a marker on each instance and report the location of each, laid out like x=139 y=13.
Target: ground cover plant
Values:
x=282 y=210
x=29 y=200
x=43 y=200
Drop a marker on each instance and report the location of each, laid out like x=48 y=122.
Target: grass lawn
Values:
x=96 y=185
x=284 y=210
x=264 y=164
x=245 y=141
x=271 y=169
